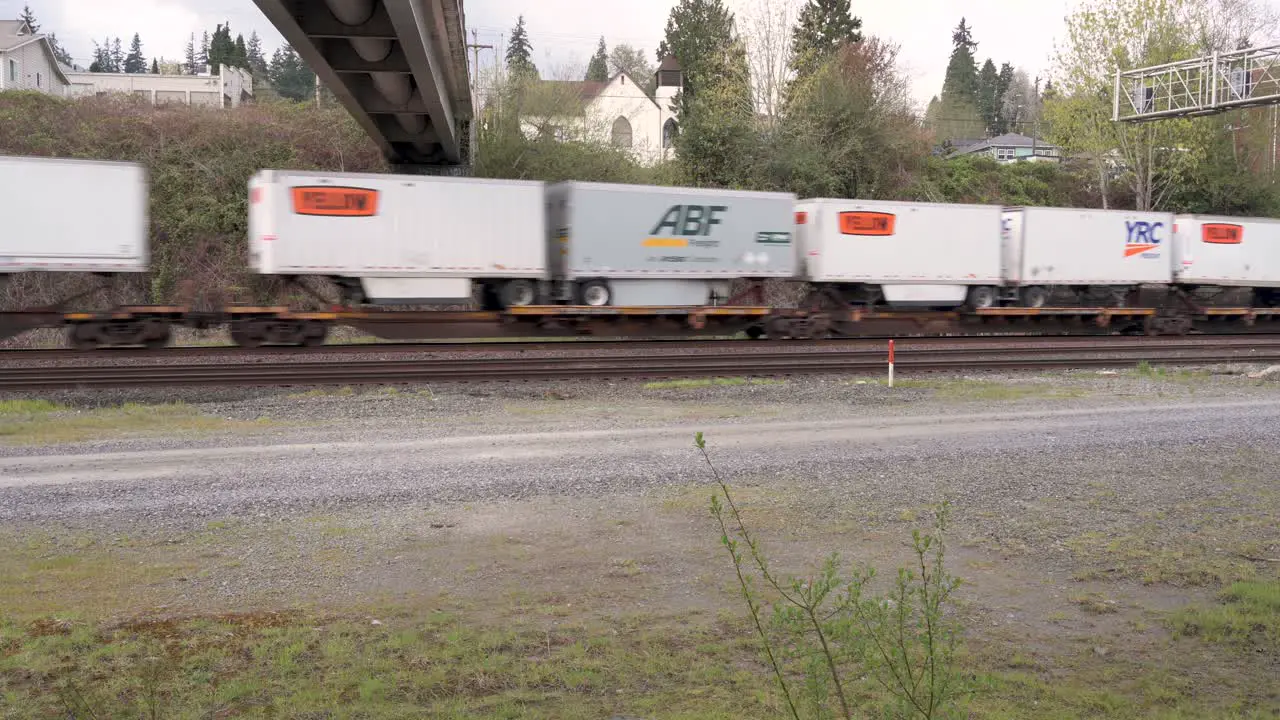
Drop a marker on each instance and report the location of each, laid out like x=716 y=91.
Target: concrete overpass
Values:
x=398 y=66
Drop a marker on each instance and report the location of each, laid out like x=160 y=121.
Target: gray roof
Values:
x=10 y=37
x=1009 y=140
x=11 y=40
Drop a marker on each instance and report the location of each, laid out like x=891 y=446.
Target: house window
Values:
x=13 y=71
x=669 y=132
x=621 y=133
x=1005 y=153
x=38 y=80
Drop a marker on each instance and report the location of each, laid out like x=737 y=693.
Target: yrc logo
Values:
x=1143 y=238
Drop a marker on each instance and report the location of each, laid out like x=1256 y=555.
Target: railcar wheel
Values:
x=156 y=334
x=83 y=337
x=518 y=293
x=313 y=333
x=595 y=293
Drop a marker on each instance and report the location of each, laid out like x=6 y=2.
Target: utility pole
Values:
x=476 y=47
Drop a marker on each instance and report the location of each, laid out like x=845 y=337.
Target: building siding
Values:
x=34 y=65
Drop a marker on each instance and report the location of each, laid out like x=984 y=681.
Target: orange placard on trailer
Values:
x=335 y=201
x=1222 y=233
x=875 y=224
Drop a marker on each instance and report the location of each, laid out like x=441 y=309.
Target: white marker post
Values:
x=890 y=363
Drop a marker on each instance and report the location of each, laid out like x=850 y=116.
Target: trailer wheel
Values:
x=595 y=293
x=982 y=296
x=518 y=293
x=1034 y=297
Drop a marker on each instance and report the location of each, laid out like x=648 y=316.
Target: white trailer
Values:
x=1218 y=251
x=1092 y=254
x=66 y=215
x=636 y=245
x=401 y=239
x=911 y=254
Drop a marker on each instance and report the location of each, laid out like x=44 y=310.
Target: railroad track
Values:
x=503 y=346
x=721 y=362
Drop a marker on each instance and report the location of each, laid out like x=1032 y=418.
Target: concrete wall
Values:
x=227 y=89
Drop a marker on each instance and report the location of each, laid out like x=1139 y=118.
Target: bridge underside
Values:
x=398 y=66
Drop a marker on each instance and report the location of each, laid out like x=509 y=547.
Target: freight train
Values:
x=561 y=254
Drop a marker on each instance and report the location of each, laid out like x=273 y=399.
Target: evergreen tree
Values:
x=1004 y=123
x=202 y=59
x=117 y=56
x=598 y=69
x=155 y=66
x=241 y=55
x=823 y=27
x=134 y=62
x=193 y=61
x=989 y=96
x=290 y=76
x=253 y=55
x=520 y=53
x=60 y=52
x=961 y=83
x=716 y=107
x=29 y=18
x=701 y=35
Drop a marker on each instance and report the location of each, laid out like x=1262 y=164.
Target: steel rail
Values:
x=654 y=365
x=836 y=344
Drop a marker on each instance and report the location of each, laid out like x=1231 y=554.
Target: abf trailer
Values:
x=645 y=246
x=73 y=216
x=1093 y=255
x=906 y=253
x=401 y=239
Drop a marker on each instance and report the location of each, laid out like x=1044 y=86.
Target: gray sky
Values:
x=564 y=32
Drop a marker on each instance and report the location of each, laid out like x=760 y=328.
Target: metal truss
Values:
x=1203 y=86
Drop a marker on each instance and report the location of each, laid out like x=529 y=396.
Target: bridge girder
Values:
x=398 y=66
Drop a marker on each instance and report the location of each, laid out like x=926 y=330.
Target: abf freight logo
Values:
x=685 y=226
x=1144 y=239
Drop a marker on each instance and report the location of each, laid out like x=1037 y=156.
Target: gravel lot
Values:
x=1083 y=502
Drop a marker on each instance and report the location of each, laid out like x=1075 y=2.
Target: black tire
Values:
x=518 y=293
x=1033 y=297
x=981 y=296
x=595 y=293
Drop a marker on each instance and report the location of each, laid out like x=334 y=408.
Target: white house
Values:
x=27 y=61
x=228 y=88
x=618 y=112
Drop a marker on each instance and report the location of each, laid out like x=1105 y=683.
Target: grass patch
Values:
x=43 y=422
x=410 y=664
x=987 y=391
x=1248 y=614
x=1154 y=557
x=691 y=383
